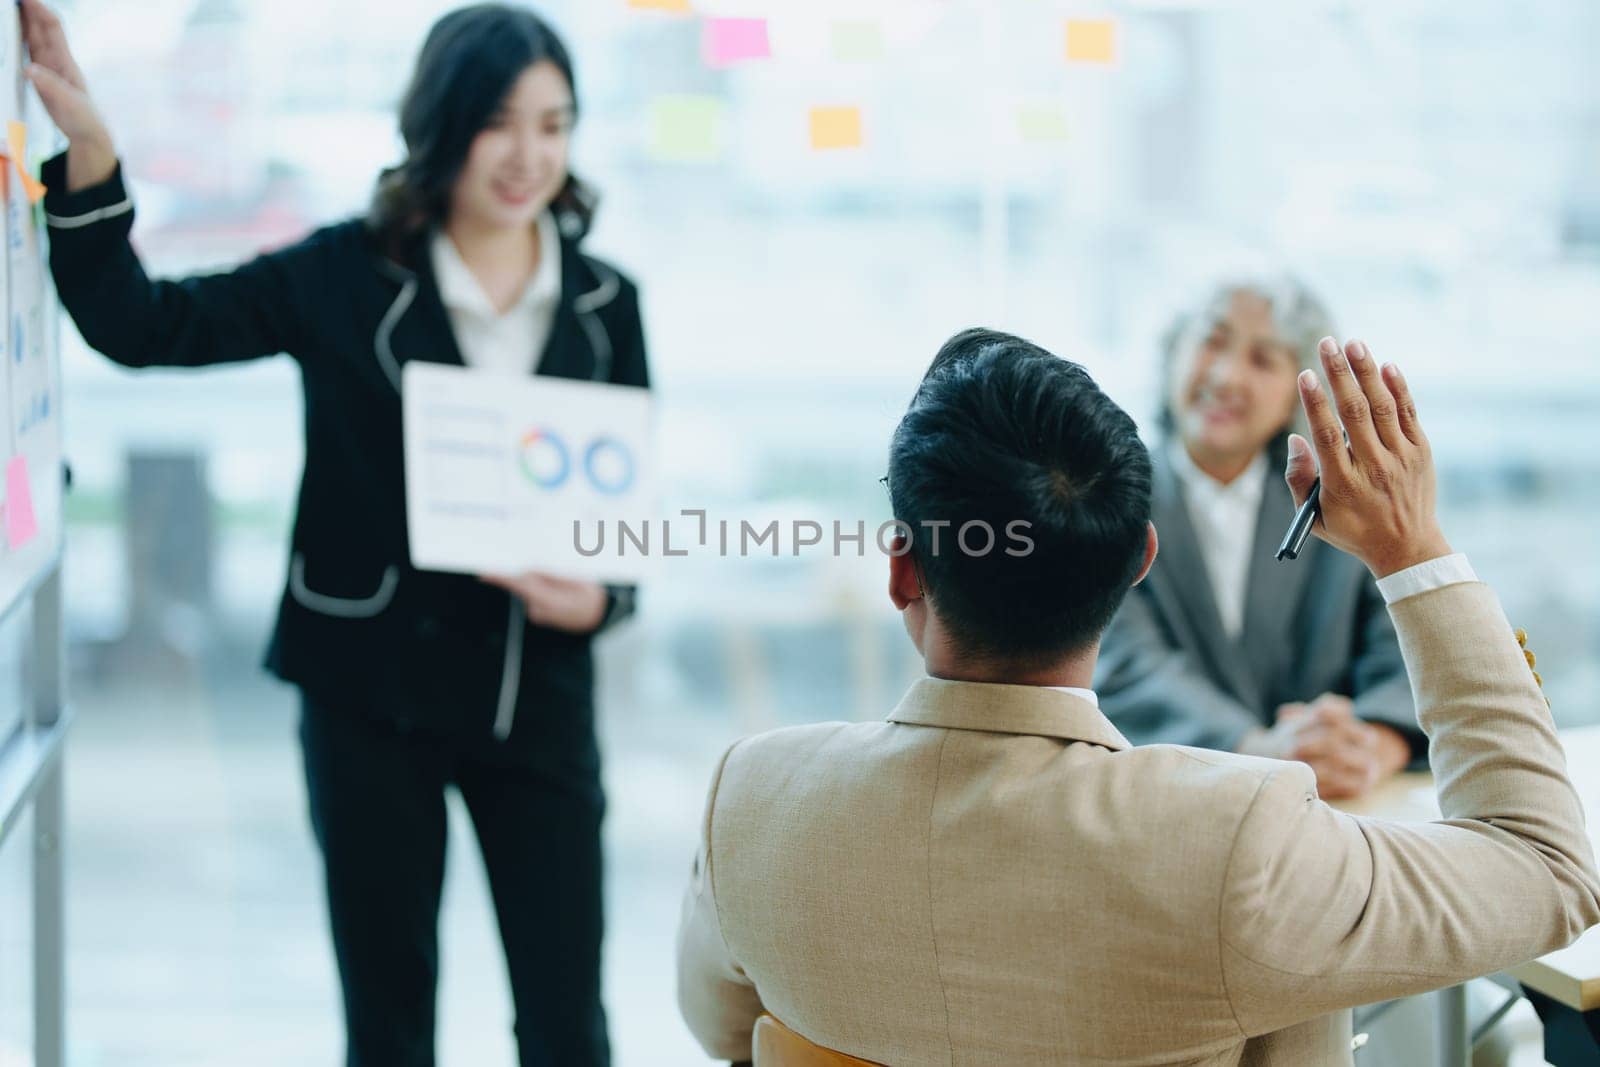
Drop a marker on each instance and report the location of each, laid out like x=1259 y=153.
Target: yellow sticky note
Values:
x=1041 y=122
x=835 y=127
x=857 y=41
x=17 y=144
x=1091 y=40
x=686 y=128
x=680 y=7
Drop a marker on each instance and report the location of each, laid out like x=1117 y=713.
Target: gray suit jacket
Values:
x=1169 y=674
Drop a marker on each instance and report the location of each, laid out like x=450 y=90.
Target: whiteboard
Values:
x=30 y=386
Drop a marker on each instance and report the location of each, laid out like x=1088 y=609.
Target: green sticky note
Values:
x=686 y=128
x=857 y=41
x=1041 y=122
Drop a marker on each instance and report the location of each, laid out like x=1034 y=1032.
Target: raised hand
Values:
x=1378 y=490
x=56 y=76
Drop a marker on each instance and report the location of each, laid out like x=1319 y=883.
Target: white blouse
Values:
x=1224 y=521
x=508 y=343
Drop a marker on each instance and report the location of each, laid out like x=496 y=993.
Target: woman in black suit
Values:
x=409 y=680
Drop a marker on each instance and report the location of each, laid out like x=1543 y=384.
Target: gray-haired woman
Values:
x=1222 y=647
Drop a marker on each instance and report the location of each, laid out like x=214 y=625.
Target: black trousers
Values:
x=377 y=798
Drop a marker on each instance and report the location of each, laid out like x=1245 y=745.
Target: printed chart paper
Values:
x=499 y=469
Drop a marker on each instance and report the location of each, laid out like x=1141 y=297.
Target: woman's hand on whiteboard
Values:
x=577 y=607
x=47 y=43
x=56 y=76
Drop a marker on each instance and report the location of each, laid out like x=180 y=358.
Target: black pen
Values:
x=1304 y=519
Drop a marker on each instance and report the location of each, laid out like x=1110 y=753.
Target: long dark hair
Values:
x=468 y=64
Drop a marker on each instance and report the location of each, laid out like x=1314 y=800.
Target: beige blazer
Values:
x=994 y=876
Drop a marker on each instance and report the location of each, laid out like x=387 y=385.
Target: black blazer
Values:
x=357 y=624
x=1168 y=673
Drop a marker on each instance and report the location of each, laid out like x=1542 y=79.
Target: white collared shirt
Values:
x=1083 y=694
x=1224 y=521
x=508 y=343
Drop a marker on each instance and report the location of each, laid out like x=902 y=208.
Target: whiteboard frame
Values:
x=32 y=779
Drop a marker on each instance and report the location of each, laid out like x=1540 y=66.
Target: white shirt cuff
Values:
x=1425 y=577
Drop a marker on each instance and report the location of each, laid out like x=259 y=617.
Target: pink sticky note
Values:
x=21 y=527
x=730 y=41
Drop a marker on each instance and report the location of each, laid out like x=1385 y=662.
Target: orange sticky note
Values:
x=680 y=7
x=1091 y=40
x=17 y=142
x=835 y=127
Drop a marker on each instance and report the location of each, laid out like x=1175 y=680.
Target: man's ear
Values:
x=905 y=581
x=1150 y=546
